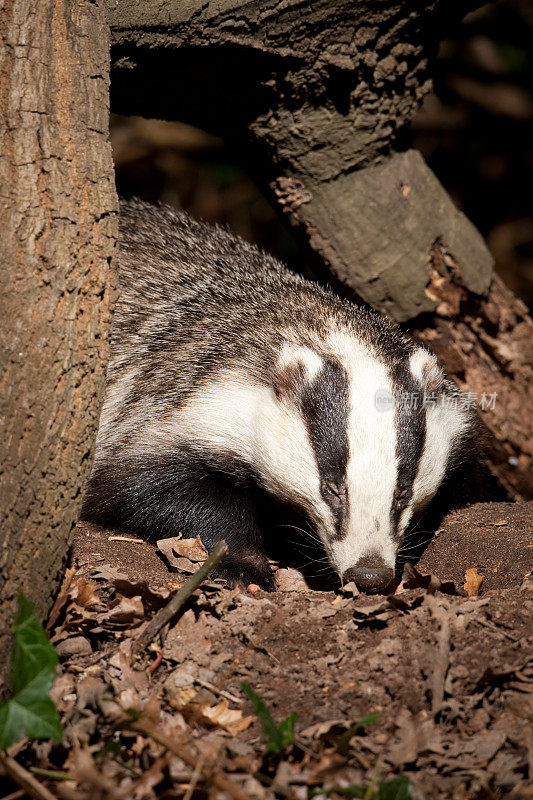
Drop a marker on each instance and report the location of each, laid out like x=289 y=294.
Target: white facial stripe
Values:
x=372 y=466
x=425 y=368
x=419 y=361
x=293 y=354
x=230 y=415
x=443 y=426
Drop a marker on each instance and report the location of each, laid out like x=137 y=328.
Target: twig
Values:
x=374 y=780
x=180 y=598
x=15 y=795
x=216 y=690
x=438 y=678
x=197 y=771
x=25 y=779
x=147 y=728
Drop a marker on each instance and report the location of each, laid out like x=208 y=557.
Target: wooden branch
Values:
x=25 y=779
x=165 y=614
x=486 y=345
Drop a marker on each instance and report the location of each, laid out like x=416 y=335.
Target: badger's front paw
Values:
x=245 y=569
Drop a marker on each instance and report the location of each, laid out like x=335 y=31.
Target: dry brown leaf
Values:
x=126 y=611
x=222 y=716
x=61 y=599
x=181 y=696
x=82 y=593
x=320 y=729
x=192 y=549
x=473 y=581
x=108 y=573
x=183 y=554
x=413 y=579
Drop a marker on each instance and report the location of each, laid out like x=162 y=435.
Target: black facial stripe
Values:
x=324 y=405
x=410 y=421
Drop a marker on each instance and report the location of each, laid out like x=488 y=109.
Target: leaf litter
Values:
x=426 y=693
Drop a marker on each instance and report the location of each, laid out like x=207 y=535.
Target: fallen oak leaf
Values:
x=123 y=612
x=379 y=613
x=473 y=582
x=222 y=716
x=182 y=554
x=153 y=596
x=330 y=727
x=192 y=549
x=108 y=573
x=413 y=579
x=83 y=593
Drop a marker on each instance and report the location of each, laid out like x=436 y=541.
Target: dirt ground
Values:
x=444 y=665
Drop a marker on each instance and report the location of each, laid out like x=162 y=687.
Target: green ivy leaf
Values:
x=278 y=736
x=32 y=652
x=30 y=711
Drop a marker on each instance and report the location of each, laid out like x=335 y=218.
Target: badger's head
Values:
x=361 y=444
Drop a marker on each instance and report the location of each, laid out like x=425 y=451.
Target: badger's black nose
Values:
x=370 y=574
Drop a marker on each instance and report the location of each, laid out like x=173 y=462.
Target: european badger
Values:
x=230 y=378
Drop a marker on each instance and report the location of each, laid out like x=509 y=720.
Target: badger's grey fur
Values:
x=232 y=380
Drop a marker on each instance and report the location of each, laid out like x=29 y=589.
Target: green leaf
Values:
x=343 y=741
x=344 y=791
x=286 y=729
x=54 y=775
x=352 y=791
x=30 y=711
x=395 y=789
x=32 y=652
x=278 y=737
x=366 y=721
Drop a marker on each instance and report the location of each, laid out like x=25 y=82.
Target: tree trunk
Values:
x=315 y=96
x=58 y=219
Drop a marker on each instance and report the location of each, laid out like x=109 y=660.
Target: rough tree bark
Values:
x=58 y=221
x=315 y=96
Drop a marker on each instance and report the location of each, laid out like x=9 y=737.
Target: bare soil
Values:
x=449 y=676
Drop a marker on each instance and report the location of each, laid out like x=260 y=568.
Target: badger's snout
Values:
x=370 y=574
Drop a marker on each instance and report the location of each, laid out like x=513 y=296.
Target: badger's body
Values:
x=232 y=379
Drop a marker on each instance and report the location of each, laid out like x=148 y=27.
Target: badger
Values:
x=232 y=379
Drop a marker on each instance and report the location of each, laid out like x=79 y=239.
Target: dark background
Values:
x=475 y=130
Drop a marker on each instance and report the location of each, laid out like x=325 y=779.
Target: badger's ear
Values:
x=425 y=368
x=296 y=367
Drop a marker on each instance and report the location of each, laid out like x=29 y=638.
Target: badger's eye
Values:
x=334 y=492
x=401 y=501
